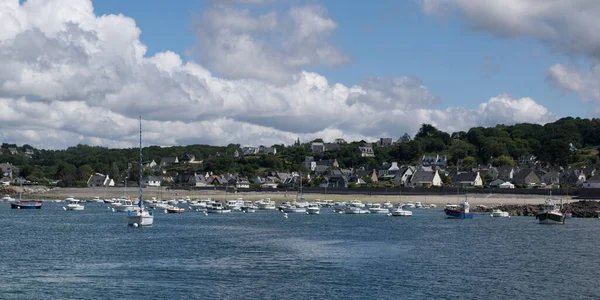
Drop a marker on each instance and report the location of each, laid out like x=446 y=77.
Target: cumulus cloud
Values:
x=567 y=26
x=573 y=79
x=238 y=44
x=68 y=76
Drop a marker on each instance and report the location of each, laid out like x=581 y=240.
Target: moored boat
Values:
x=399 y=212
x=217 y=208
x=174 y=210
x=140 y=216
x=313 y=209
x=26 y=204
x=73 y=204
x=460 y=211
x=497 y=213
x=353 y=210
x=376 y=208
x=550 y=214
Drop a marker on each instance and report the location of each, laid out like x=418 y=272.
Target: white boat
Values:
x=159 y=205
x=550 y=213
x=356 y=203
x=97 y=200
x=124 y=205
x=73 y=204
x=266 y=204
x=140 y=216
x=353 y=210
x=376 y=208
x=217 y=208
x=418 y=205
x=409 y=205
x=388 y=205
x=313 y=209
x=399 y=212
x=235 y=204
x=497 y=213
x=8 y=198
x=327 y=203
x=368 y=204
x=293 y=209
x=249 y=207
x=432 y=205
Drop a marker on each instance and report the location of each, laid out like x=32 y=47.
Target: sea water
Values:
x=92 y=254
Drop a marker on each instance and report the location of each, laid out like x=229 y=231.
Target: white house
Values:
x=422 y=178
x=153 y=181
x=403 y=175
x=593 y=182
x=98 y=180
x=507 y=185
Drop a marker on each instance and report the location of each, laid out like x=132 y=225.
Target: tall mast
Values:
x=140 y=202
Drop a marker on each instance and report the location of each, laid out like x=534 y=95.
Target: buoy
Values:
x=64 y=208
x=135 y=225
x=165 y=211
x=307 y=213
x=113 y=210
x=285 y=216
x=205 y=213
x=389 y=215
x=108 y=207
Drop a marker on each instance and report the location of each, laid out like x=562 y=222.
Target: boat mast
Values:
x=140 y=202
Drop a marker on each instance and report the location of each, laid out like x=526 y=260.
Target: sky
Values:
x=263 y=72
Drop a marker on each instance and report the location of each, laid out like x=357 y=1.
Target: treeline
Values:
x=568 y=141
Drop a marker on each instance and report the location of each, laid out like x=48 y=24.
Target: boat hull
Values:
x=455 y=214
x=75 y=207
x=403 y=213
x=550 y=218
x=30 y=204
x=313 y=211
x=218 y=211
x=503 y=214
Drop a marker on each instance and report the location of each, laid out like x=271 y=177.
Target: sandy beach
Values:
x=114 y=192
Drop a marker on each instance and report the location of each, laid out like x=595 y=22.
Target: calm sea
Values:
x=92 y=254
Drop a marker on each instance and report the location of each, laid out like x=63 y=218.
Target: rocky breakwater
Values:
x=579 y=209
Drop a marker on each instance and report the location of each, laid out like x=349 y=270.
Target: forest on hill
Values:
x=565 y=142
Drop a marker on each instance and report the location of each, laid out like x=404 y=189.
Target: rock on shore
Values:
x=579 y=209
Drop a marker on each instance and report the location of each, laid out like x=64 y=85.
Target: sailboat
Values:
x=398 y=211
x=142 y=216
x=460 y=211
x=25 y=204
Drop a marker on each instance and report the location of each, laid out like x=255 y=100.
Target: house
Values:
x=152 y=181
x=13 y=151
x=496 y=182
x=267 y=150
x=7 y=170
x=149 y=164
x=334 y=181
x=434 y=160
x=386 y=169
x=506 y=173
x=367 y=175
x=527 y=159
x=549 y=178
x=325 y=164
x=572 y=177
x=464 y=179
x=356 y=180
x=309 y=163
x=593 y=182
x=423 y=178
x=169 y=160
x=401 y=177
x=188 y=158
x=317 y=147
x=5 y=181
x=339 y=141
x=366 y=151
x=527 y=177
x=239 y=182
x=191 y=179
x=384 y=142
x=250 y=150
x=100 y=180
x=492 y=172
x=29 y=152
x=216 y=180
x=236 y=153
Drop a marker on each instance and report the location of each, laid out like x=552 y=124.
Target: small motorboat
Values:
x=399 y=212
x=174 y=210
x=353 y=210
x=497 y=213
x=376 y=208
x=73 y=204
x=313 y=209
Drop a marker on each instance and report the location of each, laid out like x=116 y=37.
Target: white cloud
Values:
x=68 y=76
x=573 y=79
x=272 y=47
x=567 y=26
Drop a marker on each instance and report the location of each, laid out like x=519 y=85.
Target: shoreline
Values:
x=149 y=192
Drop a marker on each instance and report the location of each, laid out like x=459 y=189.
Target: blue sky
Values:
x=388 y=38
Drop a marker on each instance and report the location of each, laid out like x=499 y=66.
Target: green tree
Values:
x=469 y=162
x=503 y=160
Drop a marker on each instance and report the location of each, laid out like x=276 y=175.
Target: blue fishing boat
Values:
x=458 y=211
